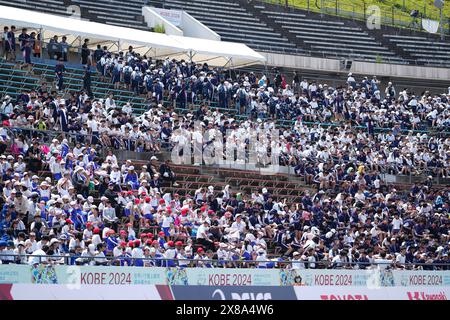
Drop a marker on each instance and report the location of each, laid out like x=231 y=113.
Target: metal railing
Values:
x=262 y=169
x=391 y=14
x=276 y=262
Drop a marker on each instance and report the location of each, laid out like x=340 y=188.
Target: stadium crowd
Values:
x=351 y=221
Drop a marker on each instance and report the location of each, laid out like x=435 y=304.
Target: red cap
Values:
x=130 y=193
x=68 y=221
x=200 y=250
x=123 y=244
x=169 y=210
x=178 y=243
x=137 y=242
x=149 y=242
x=143 y=235
x=161 y=233
x=88 y=224
x=143 y=193
x=211 y=212
x=150 y=235
x=96 y=230
x=147 y=199
x=137 y=201
x=170 y=243
x=154 y=242
x=161 y=201
x=58 y=158
x=131 y=243
x=184 y=211
x=203 y=209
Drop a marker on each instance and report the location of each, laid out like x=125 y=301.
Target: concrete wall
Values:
x=194 y=28
x=152 y=18
x=370 y=68
x=183 y=25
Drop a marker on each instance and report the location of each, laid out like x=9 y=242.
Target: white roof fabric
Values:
x=215 y=53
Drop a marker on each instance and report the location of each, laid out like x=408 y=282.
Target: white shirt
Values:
x=397 y=223
x=167 y=221
x=202 y=232
x=93 y=125
x=35 y=257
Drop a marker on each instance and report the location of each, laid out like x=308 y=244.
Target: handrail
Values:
x=391 y=13
x=325 y=263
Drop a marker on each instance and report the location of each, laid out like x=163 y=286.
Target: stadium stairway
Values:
x=15 y=80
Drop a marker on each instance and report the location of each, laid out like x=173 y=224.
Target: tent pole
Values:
x=80 y=47
x=41 y=40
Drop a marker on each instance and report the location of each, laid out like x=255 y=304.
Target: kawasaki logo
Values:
x=421 y=295
x=343 y=297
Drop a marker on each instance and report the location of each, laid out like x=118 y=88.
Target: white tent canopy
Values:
x=215 y=53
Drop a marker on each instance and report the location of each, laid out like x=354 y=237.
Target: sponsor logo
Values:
x=220 y=295
x=422 y=295
x=343 y=297
x=233 y=293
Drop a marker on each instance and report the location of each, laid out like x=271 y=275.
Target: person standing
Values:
x=11 y=36
x=63 y=117
x=59 y=71
x=35 y=40
x=85 y=52
x=5 y=43
x=25 y=48
x=296 y=83
x=87 y=81
x=64 y=48
x=52 y=48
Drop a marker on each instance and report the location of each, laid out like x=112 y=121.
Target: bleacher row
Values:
x=266 y=27
x=190 y=178
x=13 y=80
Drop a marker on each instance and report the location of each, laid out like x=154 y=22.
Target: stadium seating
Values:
x=426 y=51
x=111 y=12
x=270 y=28
x=239 y=26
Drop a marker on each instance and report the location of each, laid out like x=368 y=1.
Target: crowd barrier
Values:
x=256 y=293
x=156 y=283
x=111 y=275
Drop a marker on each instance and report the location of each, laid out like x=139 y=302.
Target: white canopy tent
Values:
x=157 y=45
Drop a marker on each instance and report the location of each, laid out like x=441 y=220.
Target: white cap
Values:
x=54 y=240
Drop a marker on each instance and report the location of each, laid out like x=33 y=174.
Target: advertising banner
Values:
x=224 y=277
x=87 y=292
x=15 y=273
x=173 y=16
x=373 y=278
x=109 y=275
x=96 y=275
x=383 y=293
x=233 y=293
